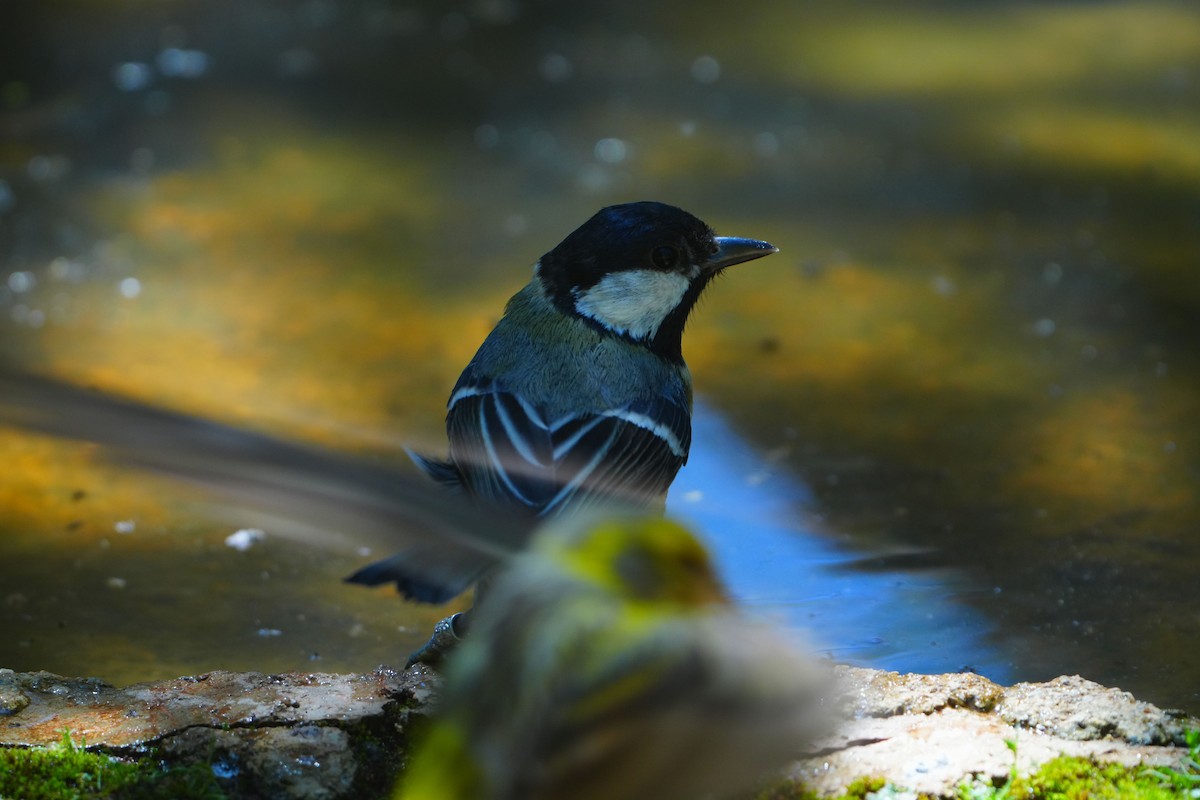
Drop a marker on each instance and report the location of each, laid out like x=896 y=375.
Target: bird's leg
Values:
x=448 y=632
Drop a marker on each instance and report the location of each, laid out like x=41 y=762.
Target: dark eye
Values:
x=664 y=257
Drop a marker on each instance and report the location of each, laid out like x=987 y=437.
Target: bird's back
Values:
x=553 y=414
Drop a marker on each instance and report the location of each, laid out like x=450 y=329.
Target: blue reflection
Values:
x=781 y=567
x=132 y=76
x=176 y=62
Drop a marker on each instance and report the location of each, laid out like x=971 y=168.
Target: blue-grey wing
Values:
x=505 y=449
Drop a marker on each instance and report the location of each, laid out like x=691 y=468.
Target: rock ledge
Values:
x=323 y=736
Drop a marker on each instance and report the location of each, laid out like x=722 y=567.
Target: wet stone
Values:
x=12 y=699
x=304 y=762
x=1076 y=708
x=145 y=713
x=303 y=736
x=927 y=733
x=875 y=693
x=320 y=736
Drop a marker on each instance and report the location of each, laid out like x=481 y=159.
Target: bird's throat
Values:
x=633 y=303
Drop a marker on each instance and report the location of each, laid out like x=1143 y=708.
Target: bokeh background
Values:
x=971 y=370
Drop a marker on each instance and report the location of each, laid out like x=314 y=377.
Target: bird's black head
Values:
x=637 y=269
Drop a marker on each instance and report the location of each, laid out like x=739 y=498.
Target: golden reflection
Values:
x=53 y=485
x=931 y=50
x=1124 y=142
x=278 y=292
x=267 y=296
x=1096 y=455
x=853 y=328
x=899 y=365
x=1087 y=85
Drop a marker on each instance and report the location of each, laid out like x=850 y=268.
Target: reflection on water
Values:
x=976 y=348
x=782 y=563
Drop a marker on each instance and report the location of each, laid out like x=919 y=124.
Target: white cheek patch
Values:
x=634 y=302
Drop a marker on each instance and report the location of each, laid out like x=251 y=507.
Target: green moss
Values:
x=68 y=772
x=1072 y=778
x=1186 y=776
x=1064 y=778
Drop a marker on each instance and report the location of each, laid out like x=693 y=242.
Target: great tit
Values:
x=580 y=395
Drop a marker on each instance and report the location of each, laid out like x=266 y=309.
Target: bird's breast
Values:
x=563 y=365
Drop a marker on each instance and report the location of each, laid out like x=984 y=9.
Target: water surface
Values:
x=965 y=389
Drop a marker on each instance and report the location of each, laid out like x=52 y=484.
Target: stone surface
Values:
x=317 y=736
x=145 y=713
x=929 y=733
x=303 y=761
x=302 y=736
x=934 y=752
x=875 y=693
x=12 y=699
x=1075 y=708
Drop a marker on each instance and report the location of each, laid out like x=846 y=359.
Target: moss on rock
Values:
x=66 y=771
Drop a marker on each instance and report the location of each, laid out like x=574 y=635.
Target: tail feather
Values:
x=425 y=577
x=444 y=472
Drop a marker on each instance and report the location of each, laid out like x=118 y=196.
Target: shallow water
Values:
x=784 y=563
x=963 y=394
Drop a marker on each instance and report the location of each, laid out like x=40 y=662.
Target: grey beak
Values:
x=734 y=250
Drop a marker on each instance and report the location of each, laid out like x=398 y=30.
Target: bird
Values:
x=610 y=662
x=580 y=395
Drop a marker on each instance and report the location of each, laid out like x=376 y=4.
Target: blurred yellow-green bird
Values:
x=610 y=663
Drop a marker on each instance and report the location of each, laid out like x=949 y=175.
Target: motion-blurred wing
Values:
x=315 y=495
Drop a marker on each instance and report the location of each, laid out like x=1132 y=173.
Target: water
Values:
x=965 y=387
x=784 y=564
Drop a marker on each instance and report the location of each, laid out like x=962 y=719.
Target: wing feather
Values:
x=505 y=449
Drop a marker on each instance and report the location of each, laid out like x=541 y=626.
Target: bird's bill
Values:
x=735 y=250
